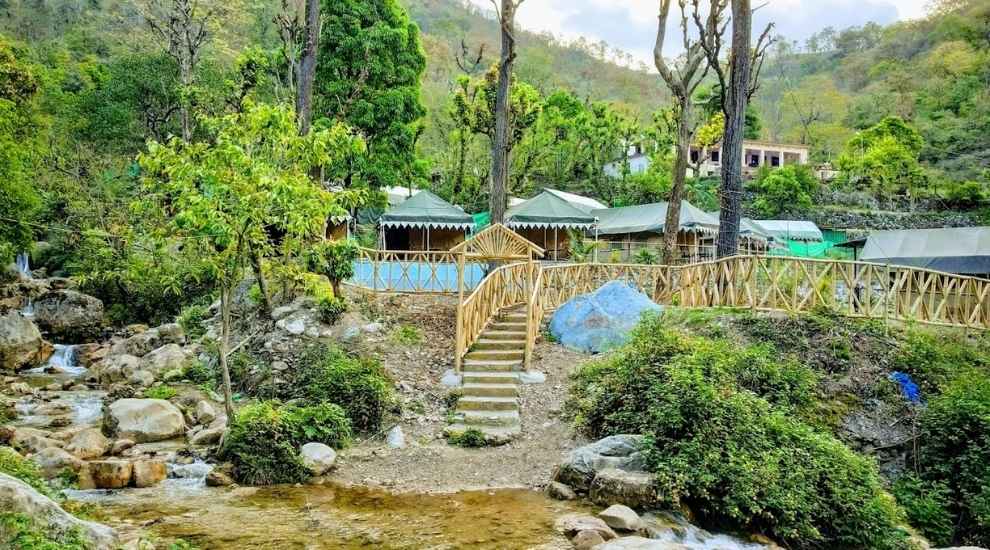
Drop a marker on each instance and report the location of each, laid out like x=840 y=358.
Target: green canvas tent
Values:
x=790 y=230
x=547 y=211
x=424 y=209
x=645 y=218
x=963 y=250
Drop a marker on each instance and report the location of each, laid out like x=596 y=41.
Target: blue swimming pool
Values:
x=414 y=276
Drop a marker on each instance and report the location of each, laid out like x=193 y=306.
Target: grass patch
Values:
x=160 y=392
x=471 y=437
x=407 y=335
x=22 y=532
x=15 y=465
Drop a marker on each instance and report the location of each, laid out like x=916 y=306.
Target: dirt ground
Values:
x=427 y=463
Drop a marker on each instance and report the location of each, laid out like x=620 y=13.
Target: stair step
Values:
x=471 y=403
x=492 y=365
x=490 y=390
x=489 y=418
x=485 y=344
x=491 y=334
x=514 y=317
x=496 y=355
x=495 y=434
x=491 y=377
x=518 y=326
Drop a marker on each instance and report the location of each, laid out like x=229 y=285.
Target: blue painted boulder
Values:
x=601 y=320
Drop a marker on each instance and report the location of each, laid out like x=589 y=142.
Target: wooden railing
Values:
x=505 y=286
x=565 y=281
x=534 y=313
x=412 y=271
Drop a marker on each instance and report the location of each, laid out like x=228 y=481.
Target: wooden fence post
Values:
x=459 y=344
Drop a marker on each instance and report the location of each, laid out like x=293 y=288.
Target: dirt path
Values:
x=428 y=463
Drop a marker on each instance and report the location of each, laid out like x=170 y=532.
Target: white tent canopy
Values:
x=964 y=250
x=791 y=230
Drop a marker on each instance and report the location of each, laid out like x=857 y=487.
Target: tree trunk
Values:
x=673 y=222
x=500 y=145
x=186 y=78
x=307 y=67
x=228 y=401
x=266 y=296
x=736 y=97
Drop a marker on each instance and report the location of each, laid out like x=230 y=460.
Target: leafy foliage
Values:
x=191 y=320
x=15 y=465
x=786 y=189
x=331 y=308
x=359 y=385
x=160 y=392
x=264 y=439
x=334 y=259
x=25 y=533
x=470 y=438
x=725 y=434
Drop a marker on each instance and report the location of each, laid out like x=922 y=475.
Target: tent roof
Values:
x=651 y=217
x=398 y=194
x=963 y=250
x=790 y=230
x=547 y=210
x=747 y=227
x=425 y=209
x=585 y=204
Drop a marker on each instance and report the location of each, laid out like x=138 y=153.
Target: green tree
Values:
x=248 y=183
x=884 y=159
x=20 y=152
x=368 y=75
x=790 y=188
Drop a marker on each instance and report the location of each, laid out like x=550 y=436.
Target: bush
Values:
x=965 y=195
x=724 y=438
x=331 y=308
x=359 y=385
x=15 y=465
x=927 y=507
x=191 y=320
x=160 y=392
x=954 y=451
x=646 y=256
x=334 y=259
x=933 y=360
x=24 y=533
x=198 y=372
x=786 y=189
x=264 y=440
x=471 y=437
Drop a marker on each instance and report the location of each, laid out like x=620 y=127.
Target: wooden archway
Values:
x=498 y=242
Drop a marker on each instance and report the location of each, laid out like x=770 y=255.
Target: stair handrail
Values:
x=505 y=286
x=534 y=315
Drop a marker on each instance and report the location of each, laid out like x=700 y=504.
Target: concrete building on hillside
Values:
x=756 y=154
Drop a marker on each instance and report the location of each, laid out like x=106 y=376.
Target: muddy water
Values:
x=336 y=517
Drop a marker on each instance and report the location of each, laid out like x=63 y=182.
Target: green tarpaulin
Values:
x=651 y=218
x=964 y=250
x=424 y=209
x=547 y=210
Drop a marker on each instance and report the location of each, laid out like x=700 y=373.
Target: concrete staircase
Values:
x=489 y=399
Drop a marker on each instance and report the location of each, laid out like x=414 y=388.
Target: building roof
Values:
x=547 y=210
x=425 y=209
x=964 y=250
x=747 y=227
x=398 y=194
x=651 y=218
x=586 y=204
x=791 y=230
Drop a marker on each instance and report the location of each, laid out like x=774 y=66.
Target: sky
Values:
x=630 y=25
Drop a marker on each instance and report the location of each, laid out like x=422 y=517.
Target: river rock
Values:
x=621 y=517
x=88 y=355
x=582 y=464
x=395 y=438
x=70 y=315
x=148 y=473
x=142 y=343
x=110 y=474
x=572 y=524
x=141 y=379
x=88 y=444
x=32 y=440
x=641 y=543
x=120 y=446
x=116 y=368
x=634 y=488
x=18 y=497
x=217 y=478
x=587 y=540
x=205 y=412
x=318 y=458
x=54 y=461
x=144 y=420
x=21 y=345
x=559 y=491
x=207 y=436
x=165 y=358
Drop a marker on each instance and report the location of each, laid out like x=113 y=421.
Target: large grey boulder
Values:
x=169 y=357
x=70 y=315
x=116 y=368
x=53 y=461
x=572 y=524
x=144 y=420
x=621 y=517
x=21 y=345
x=621 y=452
x=318 y=458
x=88 y=444
x=17 y=497
x=640 y=543
x=144 y=342
x=635 y=489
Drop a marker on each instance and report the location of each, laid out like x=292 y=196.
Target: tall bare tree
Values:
x=500 y=145
x=182 y=25
x=682 y=79
x=738 y=81
x=307 y=67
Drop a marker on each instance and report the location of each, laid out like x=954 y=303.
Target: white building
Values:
x=755 y=154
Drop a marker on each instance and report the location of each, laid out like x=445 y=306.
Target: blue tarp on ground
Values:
x=415 y=276
x=601 y=320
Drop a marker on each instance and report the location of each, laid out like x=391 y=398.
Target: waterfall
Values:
x=24 y=264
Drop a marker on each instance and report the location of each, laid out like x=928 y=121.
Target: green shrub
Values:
x=954 y=453
x=264 y=440
x=927 y=506
x=191 y=320
x=934 y=359
x=471 y=437
x=198 y=372
x=646 y=256
x=725 y=437
x=334 y=259
x=24 y=533
x=160 y=392
x=407 y=335
x=15 y=465
x=331 y=308
x=359 y=385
